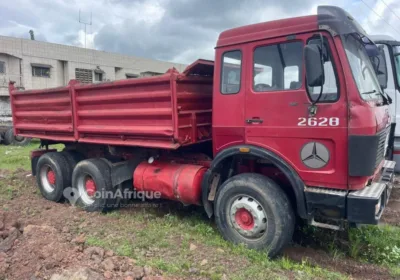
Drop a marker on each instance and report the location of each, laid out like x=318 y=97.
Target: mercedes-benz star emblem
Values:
x=314 y=155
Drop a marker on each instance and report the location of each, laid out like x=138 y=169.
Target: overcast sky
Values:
x=171 y=30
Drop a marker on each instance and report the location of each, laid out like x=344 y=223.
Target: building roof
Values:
x=20 y=47
x=266 y=30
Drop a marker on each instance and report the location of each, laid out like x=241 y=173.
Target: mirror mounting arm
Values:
x=312 y=110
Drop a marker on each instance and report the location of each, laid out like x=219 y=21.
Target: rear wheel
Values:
x=252 y=209
x=11 y=139
x=73 y=158
x=21 y=141
x=53 y=176
x=91 y=180
x=8 y=137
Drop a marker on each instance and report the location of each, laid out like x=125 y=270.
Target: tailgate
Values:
x=45 y=114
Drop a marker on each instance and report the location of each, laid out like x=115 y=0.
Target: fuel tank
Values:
x=181 y=182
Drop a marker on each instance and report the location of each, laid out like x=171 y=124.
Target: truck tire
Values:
x=91 y=181
x=73 y=158
x=10 y=139
x=21 y=141
x=53 y=176
x=253 y=210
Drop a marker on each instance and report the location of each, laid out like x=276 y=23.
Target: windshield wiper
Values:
x=369 y=92
x=386 y=101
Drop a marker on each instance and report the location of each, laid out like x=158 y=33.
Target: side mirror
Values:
x=314 y=68
x=372 y=50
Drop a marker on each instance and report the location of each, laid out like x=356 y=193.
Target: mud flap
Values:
x=205 y=189
x=123 y=171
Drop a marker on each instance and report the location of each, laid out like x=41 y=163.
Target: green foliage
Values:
x=377 y=244
x=94 y=241
x=144 y=229
x=14 y=157
x=395 y=271
x=124 y=249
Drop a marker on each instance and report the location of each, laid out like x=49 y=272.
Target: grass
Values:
x=7 y=192
x=378 y=245
x=168 y=237
x=16 y=157
x=162 y=239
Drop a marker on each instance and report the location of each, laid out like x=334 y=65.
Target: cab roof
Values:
x=266 y=30
x=331 y=18
x=384 y=39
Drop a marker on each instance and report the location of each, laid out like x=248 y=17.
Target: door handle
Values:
x=254 y=120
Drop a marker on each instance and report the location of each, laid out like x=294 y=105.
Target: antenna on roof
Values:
x=32 y=35
x=85 y=23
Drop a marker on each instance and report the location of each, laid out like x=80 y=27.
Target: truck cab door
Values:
x=277 y=116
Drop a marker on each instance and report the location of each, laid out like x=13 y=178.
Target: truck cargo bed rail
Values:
x=166 y=111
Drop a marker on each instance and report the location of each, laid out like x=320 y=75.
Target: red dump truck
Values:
x=288 y=122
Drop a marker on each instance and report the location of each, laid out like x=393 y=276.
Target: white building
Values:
x=37 y=65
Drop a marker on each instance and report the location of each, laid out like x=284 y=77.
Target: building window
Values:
x=2 y=67
x=85 y=76
x=277 y=67
x=231 y=69
x=98 y=77
x=41 y=71
x=131 y=76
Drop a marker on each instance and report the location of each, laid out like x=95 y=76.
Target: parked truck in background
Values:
x=7 y=136
x=289 y=122
x=389 y=74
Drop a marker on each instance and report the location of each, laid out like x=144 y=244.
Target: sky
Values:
x=171 y=30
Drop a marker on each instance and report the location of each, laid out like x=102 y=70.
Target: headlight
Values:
x=378 y=206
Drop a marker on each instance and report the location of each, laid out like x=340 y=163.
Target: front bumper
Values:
x=366 y=206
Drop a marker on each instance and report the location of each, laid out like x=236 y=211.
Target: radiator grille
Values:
x=380 y=153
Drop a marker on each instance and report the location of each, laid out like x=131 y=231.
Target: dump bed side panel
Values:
x=165 y=112
x=129 y=112
x=45 y=114
x=194 y=104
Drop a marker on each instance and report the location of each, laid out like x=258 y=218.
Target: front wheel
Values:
x=253 y=210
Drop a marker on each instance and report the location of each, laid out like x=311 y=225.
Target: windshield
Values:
x=396 y=52
x=361 y=68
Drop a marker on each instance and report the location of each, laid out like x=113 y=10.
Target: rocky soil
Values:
x=41 y=240
x=44 y=252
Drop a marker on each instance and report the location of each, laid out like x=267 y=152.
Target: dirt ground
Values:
x=40 y=239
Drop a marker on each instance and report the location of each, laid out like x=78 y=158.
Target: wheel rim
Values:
x=90 y=186
x=48 y=178
x=248 y=217
x=87 y=189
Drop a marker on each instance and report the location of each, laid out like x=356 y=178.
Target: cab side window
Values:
x=277 y=67
x=231 y=72
x=330 y=89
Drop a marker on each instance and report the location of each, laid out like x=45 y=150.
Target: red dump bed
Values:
x=165 y=111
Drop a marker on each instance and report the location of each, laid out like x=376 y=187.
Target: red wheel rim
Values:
x=90 y=186
x=244 y=219
x=51 y=177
